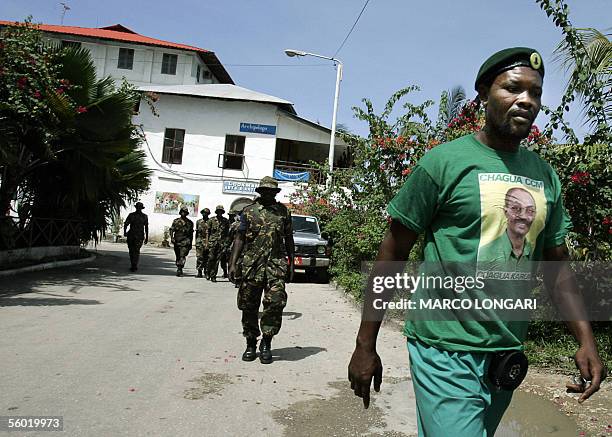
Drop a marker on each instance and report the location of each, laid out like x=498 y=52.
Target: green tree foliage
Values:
x=590 y=77
x=87 y=157
x=30 y=91
x=352 y=209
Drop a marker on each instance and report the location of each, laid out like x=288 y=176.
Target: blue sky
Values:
x=433 y=44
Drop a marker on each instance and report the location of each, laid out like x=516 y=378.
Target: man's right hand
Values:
x=365 y=364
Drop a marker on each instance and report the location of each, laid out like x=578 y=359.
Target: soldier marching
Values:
x=217 y=230
x=181 y=235
x=200 y=241
x=263 y=238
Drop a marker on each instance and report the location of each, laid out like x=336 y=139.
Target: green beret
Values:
x=507 y=59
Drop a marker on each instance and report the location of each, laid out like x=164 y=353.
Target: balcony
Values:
x=294 y=171
x=293 y=160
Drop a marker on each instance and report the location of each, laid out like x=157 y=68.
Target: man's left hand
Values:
x=591 y=369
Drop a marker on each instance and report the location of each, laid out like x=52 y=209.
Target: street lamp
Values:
x=291 y=53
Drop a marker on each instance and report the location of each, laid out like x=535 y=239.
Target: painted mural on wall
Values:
x=170 y=203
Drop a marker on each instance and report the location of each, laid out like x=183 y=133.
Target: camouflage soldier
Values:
x=226 y=253
x=200 y=239
x=233 y=229
x=181 y=234
x=138 y=233
x=217 y=228
x=265 y=226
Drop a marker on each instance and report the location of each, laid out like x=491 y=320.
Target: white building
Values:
x=212 y=141
x=120 y=52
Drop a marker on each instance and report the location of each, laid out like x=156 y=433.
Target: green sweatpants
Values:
x=453 y=395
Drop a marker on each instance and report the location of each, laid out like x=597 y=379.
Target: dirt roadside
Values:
x=594 y=415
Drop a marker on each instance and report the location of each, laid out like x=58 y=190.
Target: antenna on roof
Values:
x=65 y=8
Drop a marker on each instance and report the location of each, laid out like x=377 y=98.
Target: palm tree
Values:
x=597 y=48
x=451 y=103
x=99 y=166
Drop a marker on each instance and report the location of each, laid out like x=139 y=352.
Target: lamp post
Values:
x=291 y=53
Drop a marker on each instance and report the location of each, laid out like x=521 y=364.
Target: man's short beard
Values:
x=505 y=130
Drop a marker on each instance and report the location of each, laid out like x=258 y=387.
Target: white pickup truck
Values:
x=312 y=251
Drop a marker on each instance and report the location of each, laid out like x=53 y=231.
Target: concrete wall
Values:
x=147 y=62
x=8 y=257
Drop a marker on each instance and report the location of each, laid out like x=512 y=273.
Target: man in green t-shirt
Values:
x=463 y=195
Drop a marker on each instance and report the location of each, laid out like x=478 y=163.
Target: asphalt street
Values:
x=147 y=353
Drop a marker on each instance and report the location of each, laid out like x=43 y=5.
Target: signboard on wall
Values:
x=258 y=128
x=239 y=187
x=170 y=203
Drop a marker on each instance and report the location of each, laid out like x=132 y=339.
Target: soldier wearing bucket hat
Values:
x=200 y=242
x=264 y=238
x=138 y=234
x=464 y=369
x=181 y=235
x=217 y=229
x=268 y=182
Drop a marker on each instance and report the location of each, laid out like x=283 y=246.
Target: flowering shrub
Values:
x=469 y=120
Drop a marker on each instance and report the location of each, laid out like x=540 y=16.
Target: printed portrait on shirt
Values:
x=513 y=213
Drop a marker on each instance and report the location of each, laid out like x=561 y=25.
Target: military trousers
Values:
x=274 y=300
x=215 y=250
x=201 y=257
x=181 y=253
x=134 y=245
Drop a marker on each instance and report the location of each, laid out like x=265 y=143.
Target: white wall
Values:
x=206 y=122
x=147 y=62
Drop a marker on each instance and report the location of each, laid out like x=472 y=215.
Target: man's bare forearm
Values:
x=238 y=244
x=392 y=254
x=561 y=282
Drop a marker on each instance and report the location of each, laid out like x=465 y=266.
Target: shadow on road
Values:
x=295 y=353
x=110 y=271
x=45 y=301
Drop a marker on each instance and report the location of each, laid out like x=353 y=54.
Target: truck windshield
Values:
x=305 y=224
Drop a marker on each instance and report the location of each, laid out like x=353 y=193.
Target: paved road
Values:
x=117 y=353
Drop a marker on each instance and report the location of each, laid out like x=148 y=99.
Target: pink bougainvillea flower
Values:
x=581 y=177
x=406 y=172
x=81 y=109
x=22 y=82
x=37 y=94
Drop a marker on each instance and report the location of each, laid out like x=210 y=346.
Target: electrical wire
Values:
x=352 y=28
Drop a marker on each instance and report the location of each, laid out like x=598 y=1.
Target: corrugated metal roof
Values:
x=119 y=32
x=217 y=91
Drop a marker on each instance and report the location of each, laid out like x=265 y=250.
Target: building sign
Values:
x=170 y=203
x=238 y=187
x=258 y=128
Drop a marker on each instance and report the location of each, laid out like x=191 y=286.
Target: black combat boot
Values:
x=250 y=353
x=179 y=271
x=265 y=350
x=199 y=275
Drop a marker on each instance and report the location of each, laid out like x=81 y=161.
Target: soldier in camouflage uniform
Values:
x=200 y=239
x=181 y=235
x=265 y=236
x=233 y=229
x=138 y=233
x=217 y=229
x=226 y=253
